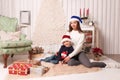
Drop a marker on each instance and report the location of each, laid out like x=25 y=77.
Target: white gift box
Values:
x=38 y=70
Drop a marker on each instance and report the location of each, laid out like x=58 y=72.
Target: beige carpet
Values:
x=65 y=69
x=55 y=70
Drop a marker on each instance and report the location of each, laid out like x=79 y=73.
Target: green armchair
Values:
x=14 y=43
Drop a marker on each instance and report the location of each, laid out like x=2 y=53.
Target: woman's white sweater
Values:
x=77 y=40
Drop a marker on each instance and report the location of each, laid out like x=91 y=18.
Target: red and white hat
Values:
x=66 y=38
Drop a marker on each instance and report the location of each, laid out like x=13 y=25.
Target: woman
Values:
x=77 y=36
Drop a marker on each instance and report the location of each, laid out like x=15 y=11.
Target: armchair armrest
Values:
x=22 y=37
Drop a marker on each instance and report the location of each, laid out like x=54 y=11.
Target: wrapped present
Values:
x=39 y=70
x=12 y=70
x=19 y=68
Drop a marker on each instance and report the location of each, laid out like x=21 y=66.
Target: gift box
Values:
x=39 y=70
x=19 y=68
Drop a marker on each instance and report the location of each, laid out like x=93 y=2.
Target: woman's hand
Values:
x=66 y=59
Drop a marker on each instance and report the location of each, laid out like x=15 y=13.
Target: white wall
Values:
x=104 y=12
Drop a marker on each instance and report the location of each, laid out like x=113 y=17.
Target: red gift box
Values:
x=19 y=68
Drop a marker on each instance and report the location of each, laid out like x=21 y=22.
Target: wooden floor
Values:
x=115 y=57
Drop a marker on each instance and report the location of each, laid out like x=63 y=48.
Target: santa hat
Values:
x=76 y=18
x=66 y=38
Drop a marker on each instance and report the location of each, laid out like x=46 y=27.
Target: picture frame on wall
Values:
x=25 y=17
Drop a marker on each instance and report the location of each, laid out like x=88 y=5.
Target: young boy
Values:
x=65 y=49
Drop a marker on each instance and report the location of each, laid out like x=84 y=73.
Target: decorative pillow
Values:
x=10 y=36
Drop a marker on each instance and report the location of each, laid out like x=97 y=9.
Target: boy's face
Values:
x=67 y=43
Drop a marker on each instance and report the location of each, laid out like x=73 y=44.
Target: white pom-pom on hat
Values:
x=76 y=18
